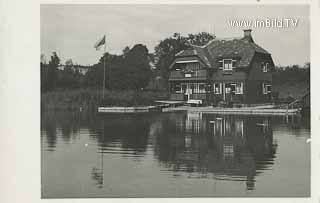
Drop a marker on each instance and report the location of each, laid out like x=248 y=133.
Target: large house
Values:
x=232 y=70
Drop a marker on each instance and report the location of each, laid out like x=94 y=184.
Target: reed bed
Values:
x=90 y=99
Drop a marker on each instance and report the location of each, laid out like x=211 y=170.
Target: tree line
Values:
x=127 y=71
x=292 y=74
x=134 y=69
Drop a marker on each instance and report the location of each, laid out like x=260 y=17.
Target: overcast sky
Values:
x=72 y=30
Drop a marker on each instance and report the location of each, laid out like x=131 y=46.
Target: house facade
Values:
x=233 y=70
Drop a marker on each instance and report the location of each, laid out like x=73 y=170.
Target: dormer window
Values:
x=227 y=64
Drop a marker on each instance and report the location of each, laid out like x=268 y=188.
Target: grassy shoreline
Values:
x=90 y=99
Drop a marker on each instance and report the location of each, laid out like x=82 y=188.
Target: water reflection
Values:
x=199 y=146
x=126 y=134
x=64 y=124
x=97 y=176
x=228 y=147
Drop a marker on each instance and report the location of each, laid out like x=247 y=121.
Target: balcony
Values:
x=194 y=75
x=181 y=97
x=200 y=96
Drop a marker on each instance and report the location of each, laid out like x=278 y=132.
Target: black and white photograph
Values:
x=150 y=101
x=159 y=101
x=175 y=101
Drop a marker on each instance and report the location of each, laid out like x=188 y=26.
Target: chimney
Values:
x=247 y=35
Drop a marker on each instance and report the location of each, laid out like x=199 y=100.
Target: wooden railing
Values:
x=180 y=96
x=195 y=74
x=198 y=96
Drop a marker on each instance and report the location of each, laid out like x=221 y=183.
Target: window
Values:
x=177 y=88
x=195 y=88
x=265 y=67
x=198 y=88
x=202 y=88
x=217 y=88
x=237 y=88
x=266 y=88
x=227 y=64
x=192 y=87
x=228 y=89
x=183 y=88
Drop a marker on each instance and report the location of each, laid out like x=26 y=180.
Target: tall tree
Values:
x=165 y=52
x=44 y=73
x=69 y=77
x=137 y=68
x=122 y=73
x=43 y=59
x=200 y=39
x=94 y=76
x=125 y=51
x=49 y=76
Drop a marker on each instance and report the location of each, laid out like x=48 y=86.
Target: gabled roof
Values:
x=242 y=48
x=188 y=59
x=195 y=51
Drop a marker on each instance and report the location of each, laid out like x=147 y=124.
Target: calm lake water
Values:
x=174 y=155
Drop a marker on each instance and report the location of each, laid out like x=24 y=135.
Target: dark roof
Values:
x=187 y=58
x=242 y=48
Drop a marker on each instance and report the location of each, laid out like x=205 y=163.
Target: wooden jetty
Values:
x=172 y=106
x=140 y=109
x=242 y=111
x=120 y=109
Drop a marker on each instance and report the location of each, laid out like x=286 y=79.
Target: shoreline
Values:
x=207 y=110
x=91 y=99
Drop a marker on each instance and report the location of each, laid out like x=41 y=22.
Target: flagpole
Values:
x=104 y=68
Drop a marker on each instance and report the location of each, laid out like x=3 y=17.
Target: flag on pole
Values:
x=99 y=43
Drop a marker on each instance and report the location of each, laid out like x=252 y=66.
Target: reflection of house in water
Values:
x=193 y=122
x=227 y=147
